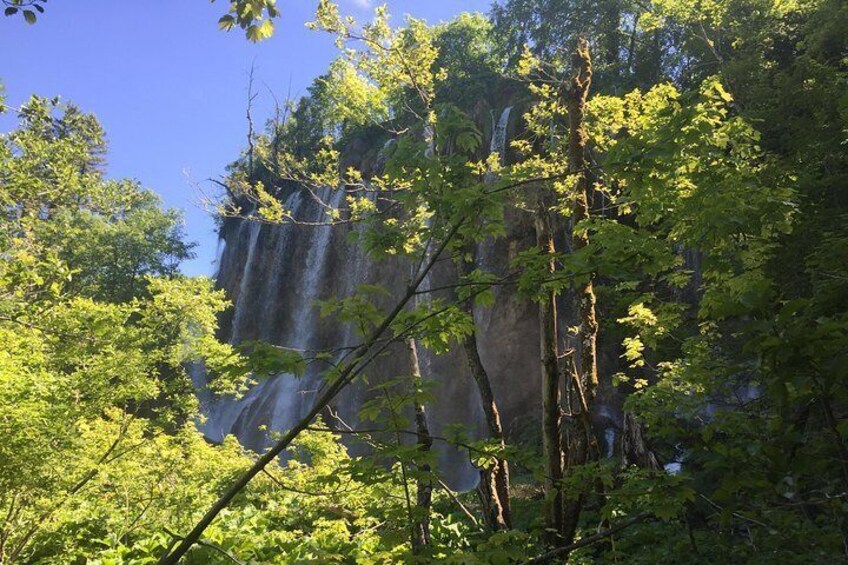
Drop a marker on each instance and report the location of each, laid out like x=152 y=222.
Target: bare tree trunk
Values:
x=494 y=479
x=586 y=378
x=551 y=410
x=250 y=98
x=421 y=525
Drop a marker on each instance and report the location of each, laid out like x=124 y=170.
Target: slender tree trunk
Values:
x=551 y=410
x=494 y=479
x=586 y=377
x=421 y=525
x=588 y=366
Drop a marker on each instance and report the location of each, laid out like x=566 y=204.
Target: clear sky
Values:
x=168 y=87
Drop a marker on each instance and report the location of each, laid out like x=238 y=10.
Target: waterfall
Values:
x=275 y=273
x=290 y=287
x=220 y=247
x=288 y=407
x=609 y=440
x=486 y=250
x=247 y=275
x=499 y=139
x=430 y=139
x=498 y=144
x=279 y=262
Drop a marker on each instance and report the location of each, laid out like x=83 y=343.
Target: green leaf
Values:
x=10 y=11
x=29 y=16
x=260 y=32
x=226 y=23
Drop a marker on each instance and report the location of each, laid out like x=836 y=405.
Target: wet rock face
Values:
x=273 y=275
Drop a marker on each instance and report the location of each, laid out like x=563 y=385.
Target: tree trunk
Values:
x=421 y=525
x=635 y=449
x=551 y=410
x=588 y=329
x=586 y=378
x=494 y=479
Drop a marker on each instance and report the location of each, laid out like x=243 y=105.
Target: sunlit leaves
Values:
x=437 y=325
x=352 y=98
x=255 y=17
x=96 y=328
x=477 y=285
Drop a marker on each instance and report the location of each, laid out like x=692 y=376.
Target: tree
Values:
x=93 y=370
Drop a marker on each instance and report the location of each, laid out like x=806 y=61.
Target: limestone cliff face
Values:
x=274 y=273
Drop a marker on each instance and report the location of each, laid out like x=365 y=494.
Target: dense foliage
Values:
x=684 y=168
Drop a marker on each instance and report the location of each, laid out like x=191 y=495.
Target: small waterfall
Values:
x=499 y=140
x=246 y=278
x=498 y=144
x=430 y=139
x=609 y=440
x=486 y=251
x=220 y=414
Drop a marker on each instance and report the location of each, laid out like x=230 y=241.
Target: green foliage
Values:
x=718 y=251
x=466 y=51
x=28 y=9
x=437 y=325
x=96 y=328
x=255 y=17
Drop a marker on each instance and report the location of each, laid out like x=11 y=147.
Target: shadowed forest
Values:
x=563 y=282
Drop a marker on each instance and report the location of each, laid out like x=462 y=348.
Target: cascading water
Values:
x=254 y=228
x=292 y=396
x=278 y=402
x=609 y=442
x=275 y=273
x=279 y=262
x=499 y=137
x=219 y=254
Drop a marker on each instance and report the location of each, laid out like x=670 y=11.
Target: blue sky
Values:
x=169 y=88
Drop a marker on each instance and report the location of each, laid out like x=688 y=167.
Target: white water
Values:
x=254 y=228
x=609 y=440
x=430 y=139
x=279 y=262
x=279 y=401
x=292 y=393
x=498 y=144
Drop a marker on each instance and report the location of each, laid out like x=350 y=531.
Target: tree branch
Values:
x=563 y=551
